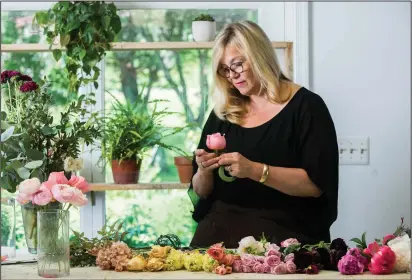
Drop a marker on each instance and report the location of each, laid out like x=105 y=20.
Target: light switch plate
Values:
x=353 y=150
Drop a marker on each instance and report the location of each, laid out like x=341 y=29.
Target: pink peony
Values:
x=29 y=186
x=79 y=198
x=56 y=178
x=289 y=257
x=290 y=267
x=273 y=252
x=63 y=193
x=80 y=183
x=216 y=141
x=350 y=265
x=279 y=269
x=43 y=196
x=272 y=260
x=248 y=259
x=387 y=238
x=288 y=242
x=246 y=269
x=237 y=266
x=23 y=198
x=266 y=268
x=258 y=268
x=371 y=249
x=383 y=261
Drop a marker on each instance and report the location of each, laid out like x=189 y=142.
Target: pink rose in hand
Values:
x=43 y=196
x=79 y=198
x=63 y=193
x=56 y=178
x=80 y=183
x=29 y=186
x=216 y=141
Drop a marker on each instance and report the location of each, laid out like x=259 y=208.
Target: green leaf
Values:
x=7 y=134
x=57 y=54
x=364 y=238
x=15 y=164
x=34 y=164
x=106 y=22
x=96 y=85
x=24 y=173
x=356 y=240
x=4 y=125
x=34 y=154
x=46 y=130
x=82 y=53
x=116 y=24
x=3 y=115
x=64 y=39
x=73 y=25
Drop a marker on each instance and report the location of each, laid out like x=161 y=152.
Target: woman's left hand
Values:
x=236 y=164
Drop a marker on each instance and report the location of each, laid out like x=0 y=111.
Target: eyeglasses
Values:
x=236 y=67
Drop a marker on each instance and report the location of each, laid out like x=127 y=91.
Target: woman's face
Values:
x=240 y=76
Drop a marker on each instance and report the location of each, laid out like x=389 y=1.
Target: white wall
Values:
x=360 y=56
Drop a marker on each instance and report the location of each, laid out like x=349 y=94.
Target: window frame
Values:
x=291 y=19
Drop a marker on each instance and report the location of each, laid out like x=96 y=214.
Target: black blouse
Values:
x=301 y=135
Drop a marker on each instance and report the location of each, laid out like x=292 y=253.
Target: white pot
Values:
x=203 y=31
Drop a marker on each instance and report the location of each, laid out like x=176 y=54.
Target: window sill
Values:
x=100 y=187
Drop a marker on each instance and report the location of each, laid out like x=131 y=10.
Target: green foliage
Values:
x=204 y=17
x=5 y=228
x=85 y=29
x=35 y=143
x=83 y=250
x=130 y=130
x=360 y=242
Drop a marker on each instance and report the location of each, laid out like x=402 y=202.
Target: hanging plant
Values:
x=86 y=30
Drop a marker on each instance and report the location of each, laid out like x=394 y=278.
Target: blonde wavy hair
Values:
x=254 y=44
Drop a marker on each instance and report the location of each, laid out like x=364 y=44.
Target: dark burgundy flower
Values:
x=302 y=259
x=312 y=269
x=321 y=257
x=29 y=86
x=335 y=256
x=338 y=244
x=8 y=74
x=25 y=78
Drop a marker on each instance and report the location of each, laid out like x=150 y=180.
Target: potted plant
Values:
x=204 y=28
x=131 y=129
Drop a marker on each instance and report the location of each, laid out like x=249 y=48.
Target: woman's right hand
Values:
x=206 y=162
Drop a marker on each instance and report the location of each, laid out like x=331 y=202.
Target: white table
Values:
x=29 y=271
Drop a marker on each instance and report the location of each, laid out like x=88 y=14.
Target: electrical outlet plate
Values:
x=353 y=150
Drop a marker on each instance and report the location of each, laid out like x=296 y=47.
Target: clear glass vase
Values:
x=53 y=249
x=8 y=228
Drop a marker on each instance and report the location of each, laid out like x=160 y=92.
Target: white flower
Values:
x=401 y=246
x=79 y=164
x=250 y=245
x=260 y=248
x=69 y=164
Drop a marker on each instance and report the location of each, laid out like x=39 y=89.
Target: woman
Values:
x=281 y=147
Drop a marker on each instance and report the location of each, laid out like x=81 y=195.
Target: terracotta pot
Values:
x=127 y=172
x=184 y=168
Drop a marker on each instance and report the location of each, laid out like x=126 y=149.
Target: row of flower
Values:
x=392 y=255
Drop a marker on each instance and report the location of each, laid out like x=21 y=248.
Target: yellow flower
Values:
x=193 y=261
x=137 y=263
x=154 y=264
x=174 y=260
x=209 y=264
x=159 y=251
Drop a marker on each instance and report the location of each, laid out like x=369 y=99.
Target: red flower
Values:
x=383 y=261
x=29 y=86
x=228 y=259
x=8 y=74
x=372 y=249
x=216 y=252
x=312 y=269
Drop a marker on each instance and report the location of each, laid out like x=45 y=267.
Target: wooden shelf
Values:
x=100 y=187
x=128 y=46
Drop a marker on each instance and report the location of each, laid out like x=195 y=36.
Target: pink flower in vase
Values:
x=43 y=196
x=63 y=193
x=79 y=198
x=216 y=141
x=80 y=183
x=29 y=186
x=23 y=198
x=56 y=178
